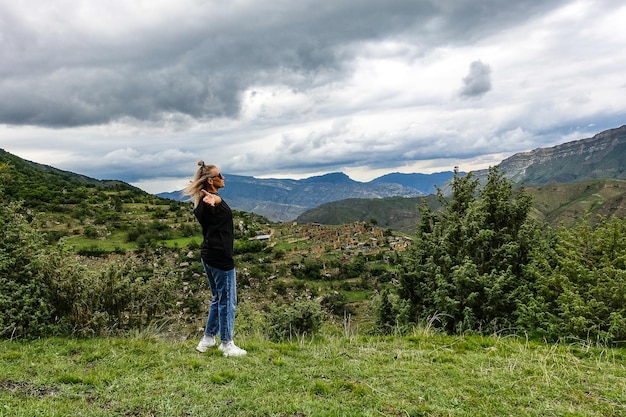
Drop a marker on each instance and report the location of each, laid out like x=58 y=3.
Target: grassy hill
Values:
x=565 y=203
x=396 y=213
x=97 y=217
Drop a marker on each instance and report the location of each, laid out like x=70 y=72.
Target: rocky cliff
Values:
x=601 y=156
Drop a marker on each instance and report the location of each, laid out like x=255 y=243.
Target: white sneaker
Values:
x=205 y=343
x=230 y=349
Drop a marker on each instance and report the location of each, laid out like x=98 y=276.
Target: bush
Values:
x=308 y=269
x=298 y=319
x=25 y=310
x=335 y=302
x=248 y=246
x=352 y=269
x=479 y=265
x=45 y=290
x=390 y=313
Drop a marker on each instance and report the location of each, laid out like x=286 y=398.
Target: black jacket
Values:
x=218 y=234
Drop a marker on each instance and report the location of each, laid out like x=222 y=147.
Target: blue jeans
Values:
x=222 y=310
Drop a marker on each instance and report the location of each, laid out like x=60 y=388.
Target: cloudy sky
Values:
x=141 y=90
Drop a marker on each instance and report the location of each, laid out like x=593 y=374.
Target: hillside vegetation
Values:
x=136 y=261
x=566 y=203
x=105 y=252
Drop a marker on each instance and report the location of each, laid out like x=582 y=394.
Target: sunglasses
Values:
x=220 y=176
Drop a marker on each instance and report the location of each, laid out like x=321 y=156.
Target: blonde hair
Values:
x=198 y=183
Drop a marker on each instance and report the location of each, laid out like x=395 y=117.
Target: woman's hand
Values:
x=210 y=199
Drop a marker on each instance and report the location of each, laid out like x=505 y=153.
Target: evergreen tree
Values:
x=579 y=284
x=466 y=266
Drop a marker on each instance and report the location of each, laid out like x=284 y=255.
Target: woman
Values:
x=216 y=219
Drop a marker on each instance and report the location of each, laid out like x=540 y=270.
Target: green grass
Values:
x=333 y=375
x=118 y=241
x=355 y=296
x=113 y=242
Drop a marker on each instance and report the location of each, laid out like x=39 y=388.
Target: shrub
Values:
x=308 y=269
x=46 y=290
x=352 y=269
x=390 y=313
x=335 y=302
x=24 y=290
x=120 y=295
x=248 y=246
x=298 y=319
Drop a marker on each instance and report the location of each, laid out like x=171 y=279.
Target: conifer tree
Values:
x=466 y=266
x=579 y=284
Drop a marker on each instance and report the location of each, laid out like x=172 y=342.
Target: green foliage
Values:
x=352 y=269
x=467 y=262
x=335 y=302
x=479 y=265
x=308 y=269
x=299 y=319
x=44 y=289
x=122 y=295
x=391 y=313
x=579 y=284
x=248 y=246
x=24 y=289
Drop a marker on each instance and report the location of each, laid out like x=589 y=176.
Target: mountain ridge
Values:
x=570 y=180
x=285 y=199
x=600 y=156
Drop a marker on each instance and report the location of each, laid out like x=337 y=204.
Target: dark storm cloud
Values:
x=478 y=81
x=57 y=72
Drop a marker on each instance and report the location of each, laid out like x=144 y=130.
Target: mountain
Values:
x=425 y=183
x=599 y=157
x=396 y=213
x=286 y=199
x=565 y=203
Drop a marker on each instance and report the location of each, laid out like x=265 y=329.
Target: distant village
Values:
x=358 y=237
